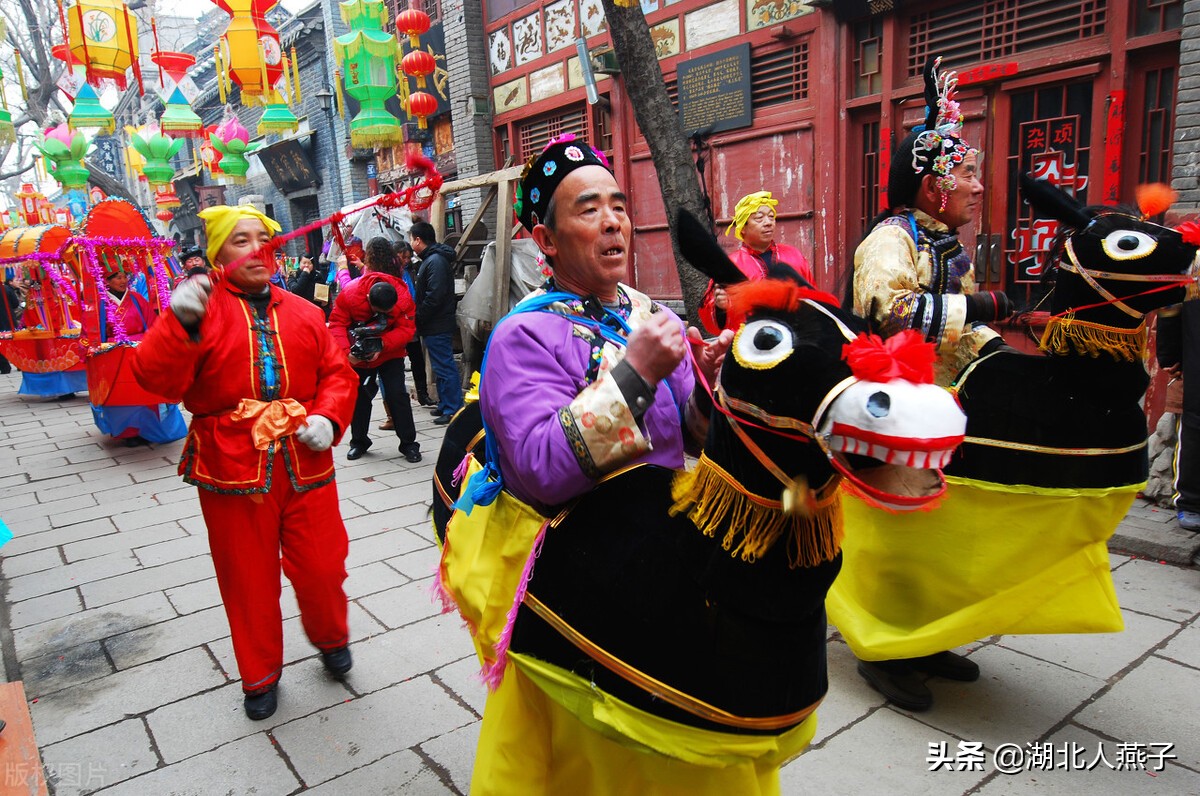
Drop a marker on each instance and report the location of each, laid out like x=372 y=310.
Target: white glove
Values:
x=317 y=433
x=189 y=299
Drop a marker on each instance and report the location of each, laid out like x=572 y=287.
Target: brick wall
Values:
x=466 y=61
x=1185 y=175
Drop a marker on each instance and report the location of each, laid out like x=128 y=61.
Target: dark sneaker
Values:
x=261 y=706
x=337 y=662
x=443 y=420
x=898 y=682
x=436 y=411
x=1189 y=520
x=947 y=664
x=411 y=451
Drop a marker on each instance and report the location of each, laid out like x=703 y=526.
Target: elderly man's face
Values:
x=118 y=282
x=759 y=231
x=589 y=244
x=192 y=262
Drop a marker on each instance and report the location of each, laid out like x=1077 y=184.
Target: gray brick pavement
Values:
x=114 y=622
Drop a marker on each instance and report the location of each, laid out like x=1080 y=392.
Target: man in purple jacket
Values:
x=598 y=376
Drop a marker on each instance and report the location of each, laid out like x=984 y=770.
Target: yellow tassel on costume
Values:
x=714 y=500
x=1064 y=335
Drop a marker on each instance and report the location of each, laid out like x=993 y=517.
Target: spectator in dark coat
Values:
x=1178 y=350
x=416 y=353
x=436 y=303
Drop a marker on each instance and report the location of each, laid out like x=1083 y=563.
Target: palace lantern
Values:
x=89 y=114
x=29 y=201
x=103 y=37
x=250 y=53
x=367 y=56
x=64 y=151
x=179 y=119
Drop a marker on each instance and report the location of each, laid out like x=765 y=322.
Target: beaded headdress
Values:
x=544 y=172
x=939 y=146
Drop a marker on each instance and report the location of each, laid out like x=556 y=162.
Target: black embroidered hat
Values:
x=543 y=173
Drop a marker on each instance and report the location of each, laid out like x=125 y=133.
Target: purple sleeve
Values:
x=532 y=372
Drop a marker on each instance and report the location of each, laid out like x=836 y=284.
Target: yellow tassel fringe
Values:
x=1065 y=334
x=713 y=499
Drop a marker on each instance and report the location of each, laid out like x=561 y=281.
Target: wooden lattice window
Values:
x=1154 y=155
x=869 y=176
x=533 y=135
x=868 y=57
x=779 y=76
x=972 y=32
x=1155 y=16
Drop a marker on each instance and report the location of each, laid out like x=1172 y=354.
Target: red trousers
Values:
x=247 y=534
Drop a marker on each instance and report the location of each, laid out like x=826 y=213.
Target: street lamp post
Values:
x=325 y=97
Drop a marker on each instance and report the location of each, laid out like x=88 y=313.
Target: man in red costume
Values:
x=754 y=225
x=269 y=394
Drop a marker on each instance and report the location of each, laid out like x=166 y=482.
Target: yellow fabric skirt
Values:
x=991 y=560
x=547 y=731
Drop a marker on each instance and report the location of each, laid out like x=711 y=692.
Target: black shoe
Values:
x=442 y=420
x=261 y=706
x=337 y=662
x=135 y=441
x=65 y=396
x=424 y=400
x=898 y=682
x=411 y=451
x=436 y=411
x=357 y=449
x=947 y=664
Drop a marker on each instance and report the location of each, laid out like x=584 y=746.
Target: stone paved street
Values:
x=112 y=619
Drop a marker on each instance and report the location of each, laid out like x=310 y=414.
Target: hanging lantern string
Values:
x=414 y=197
x=298 y=98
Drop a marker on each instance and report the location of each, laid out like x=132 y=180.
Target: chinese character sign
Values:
x=1047 y=149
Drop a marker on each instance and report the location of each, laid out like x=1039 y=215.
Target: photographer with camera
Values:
x=372 y=321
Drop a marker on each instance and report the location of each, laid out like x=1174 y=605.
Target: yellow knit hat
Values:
x=220 y=220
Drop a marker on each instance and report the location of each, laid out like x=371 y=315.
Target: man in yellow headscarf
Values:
x=270 y=393
x=754 y=225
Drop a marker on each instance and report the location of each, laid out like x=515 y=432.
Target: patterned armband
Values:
x=601 y=429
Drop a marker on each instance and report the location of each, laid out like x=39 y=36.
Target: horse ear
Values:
x=700 y=248
x=1054 y=202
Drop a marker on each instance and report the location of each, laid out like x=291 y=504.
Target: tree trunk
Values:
x=677 y=177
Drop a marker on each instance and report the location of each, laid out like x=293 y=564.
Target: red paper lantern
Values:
x=418 y=64
x=164 y=215
x=413 y=23
x=422 y=105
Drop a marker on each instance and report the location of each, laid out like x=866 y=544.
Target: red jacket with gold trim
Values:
x=229 y=362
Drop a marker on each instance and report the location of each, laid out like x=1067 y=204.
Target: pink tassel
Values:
x=460 y=472
x=439 y=593
x=492 y=675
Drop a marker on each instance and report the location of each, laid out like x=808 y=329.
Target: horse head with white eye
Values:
x=698 y=595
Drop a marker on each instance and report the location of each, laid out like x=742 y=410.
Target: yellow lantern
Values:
x=104 y=38
x=252 y=55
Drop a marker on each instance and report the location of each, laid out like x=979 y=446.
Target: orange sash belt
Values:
x=272 y=419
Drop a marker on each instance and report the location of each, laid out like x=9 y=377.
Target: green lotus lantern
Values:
x=157 y=149
x=232 y=142
x=64 y=151
x=367 y=56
